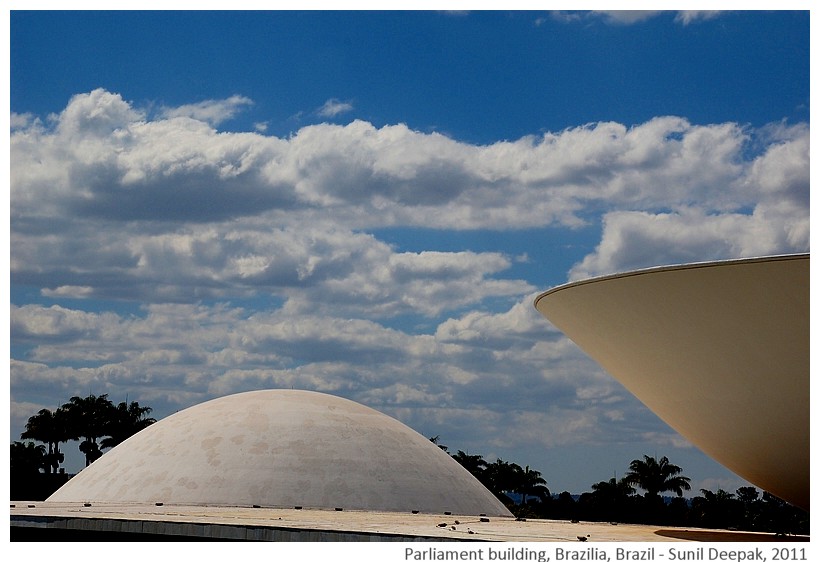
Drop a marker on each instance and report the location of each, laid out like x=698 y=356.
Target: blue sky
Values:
x=367 y=203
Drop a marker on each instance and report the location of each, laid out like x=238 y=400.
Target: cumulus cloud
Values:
x=106 y=202
x=634 y=239
x=175 y=355
x=775 y=185
x=23 y=120
x=110 y=201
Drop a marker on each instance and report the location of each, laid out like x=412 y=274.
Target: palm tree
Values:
x=502 y=477
x=747 y=494
x=475 y=464
x=532 y=484
x=716 y=509
x=435 y=441
x=50 y=428
x=613 y=491
x=656 y=477
x=124 y=421
x=748 y=498
x=27 y=458
x=611 y=497
x=87 y=420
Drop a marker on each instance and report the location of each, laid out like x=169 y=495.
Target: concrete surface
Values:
x=178 y=522
x=282 y=448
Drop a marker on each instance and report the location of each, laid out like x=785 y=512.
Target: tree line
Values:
x=94 y=422
x=524 y=491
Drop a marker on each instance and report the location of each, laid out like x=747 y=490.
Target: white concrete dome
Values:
x=283 y=448
x=718 y=350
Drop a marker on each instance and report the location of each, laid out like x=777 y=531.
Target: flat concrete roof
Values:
x=181 y=522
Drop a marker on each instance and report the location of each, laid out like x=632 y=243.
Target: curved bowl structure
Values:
x=718 y=350
x=282 y=448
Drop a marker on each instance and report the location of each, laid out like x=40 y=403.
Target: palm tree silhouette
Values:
x=50 y=428
x=532 y=484
x=611 y=498
x=27 y=458
x=87 y=419
x=435 y=440
x=501 y=478
x=612 y=491
x=475 y=464
x=656 y=477
x=124 y=421
x=717 y=509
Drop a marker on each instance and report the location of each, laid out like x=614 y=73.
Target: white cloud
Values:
x=334 y=107
x=185 y=171
x=776 y=185
x=70 y=291
x=176 y=355
x=32 y=321
x=688 y=16
x=633 y=238
x=627 y=17
x=107 y=202
x=212 y=112
x=23 y=120
x=172 y=209
x=521 y=323
x=95 y=115
x=630 y=17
